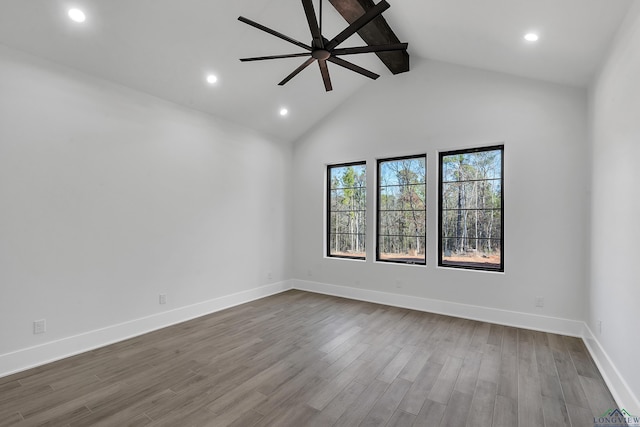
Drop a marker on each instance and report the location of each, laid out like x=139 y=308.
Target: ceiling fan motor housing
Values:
x=321 y=54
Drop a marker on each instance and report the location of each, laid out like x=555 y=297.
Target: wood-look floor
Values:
x=302 y=359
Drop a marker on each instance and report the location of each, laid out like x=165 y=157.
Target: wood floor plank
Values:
x=490 y=364
x=345 y=360
x=115 y=405
x=417 y=394
x=480 y=337
x=362 y=406
x=239 y=408
x=419 y=333
x=247 y=387
x=464 y=335
x=482 y=405
x=249 y=418
x=580 y=416
x=340 y=350
x=569 y=380
x=10 y=419
x=335 y=342
x=495 y=335
x=9 y=386
x=303 y=359
x=401 y=419
x=396 y=365
x=290 y=416
x=340 y=404
x=529 y=402
x=382 y=357
x=550 y=386
x=293 y=387
x=293 y=407
x=332 y=388
x=468 y=375
x=510 y=341
x=598 y=396
x=139 y=421
x=430 y=414
x=505 y=412
x=415 y=365
x=508 y=380
x=131 y=415
x=384 y=408
x=555 y=413
x=457 y=411
x=581 y=358
x=188 y=416
x=442 y=389
x=544 y=355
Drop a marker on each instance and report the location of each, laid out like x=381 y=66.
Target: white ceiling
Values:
x=167 y=47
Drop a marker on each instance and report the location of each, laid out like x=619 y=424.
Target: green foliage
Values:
x=402 y=208
x=471 y=202
x=348 y=210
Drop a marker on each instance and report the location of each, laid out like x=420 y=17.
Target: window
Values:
x=402 y=215
x=471 y=209
x=346 y=210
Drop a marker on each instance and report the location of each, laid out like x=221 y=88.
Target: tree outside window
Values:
x=402 y=215
x=346 y=212
x=471 y=209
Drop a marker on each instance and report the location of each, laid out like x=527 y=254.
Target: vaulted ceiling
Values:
x=166 y=48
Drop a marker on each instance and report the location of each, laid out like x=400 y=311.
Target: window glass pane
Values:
x=471 y=209
x=346 y=219
x=401 y=231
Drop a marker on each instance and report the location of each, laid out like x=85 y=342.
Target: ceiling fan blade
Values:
x=368 y=49
x=296 y=71
x=353 y=67
x=262 y=58
x=273 y=32
x=324 y=70
x=320 y=19
x=369 y=15
x=313 y=23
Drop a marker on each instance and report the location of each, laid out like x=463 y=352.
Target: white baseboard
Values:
x=27 y=358
x=536 y=322
x=622 y=393
x=21 y=360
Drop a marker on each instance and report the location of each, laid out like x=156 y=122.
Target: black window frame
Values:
x=470 y=266
x=378 y=216
x=328 y=211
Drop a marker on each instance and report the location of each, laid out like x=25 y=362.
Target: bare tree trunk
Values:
x=475 y=189
x=459 y=224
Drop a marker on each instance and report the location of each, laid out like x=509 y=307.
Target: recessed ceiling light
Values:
x=284 y=112
x=77 y=15
x=212 y=79
x=531 y=37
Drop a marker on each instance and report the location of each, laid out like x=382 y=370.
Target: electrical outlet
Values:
x=40 y=326
x=398 y=284
x=539 y=302
x=162 y=299
x=269 y=275
x=309 y=273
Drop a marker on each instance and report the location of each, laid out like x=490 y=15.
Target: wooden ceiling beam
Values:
x=376 y=32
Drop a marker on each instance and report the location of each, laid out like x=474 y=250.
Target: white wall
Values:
x=109 y=197
x=615 y=207
x=439 y=106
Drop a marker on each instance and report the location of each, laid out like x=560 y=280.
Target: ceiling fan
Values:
x=323 y=50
